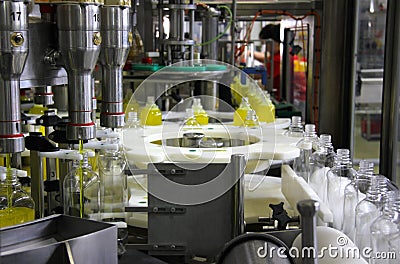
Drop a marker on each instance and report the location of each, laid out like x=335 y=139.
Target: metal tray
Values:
x=59 y=239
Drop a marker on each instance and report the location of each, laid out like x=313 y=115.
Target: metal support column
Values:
x=337 y=71
x=391 y=86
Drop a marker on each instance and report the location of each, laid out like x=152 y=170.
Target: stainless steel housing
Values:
x=115 y=31
x=13 y=53
x=79 y=41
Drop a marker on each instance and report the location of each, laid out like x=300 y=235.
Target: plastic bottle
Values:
x=251 y=119
x=199 y=113
x=81 y=191
x=150 y=114
x=339 y=177
x=114 y=193
x=367 y=211
x=311 y=135
x=364 y=174
x=240 y=114
x=301 y=164
x=190 y=123
x=394 y=246
x=132 y=121
x=271 y=105
x=295 y=128
x=321 y=162
x=265 y=110
x=386 y=227
x=16 y=206
x=354 y=192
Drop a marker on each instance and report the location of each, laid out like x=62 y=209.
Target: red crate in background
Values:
x=371 y=126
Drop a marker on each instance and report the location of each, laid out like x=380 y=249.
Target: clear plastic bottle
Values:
x=386 y=226
x=240 y=114
x=114 y=192
x=311 y=135
x=353 y=193
x=114 y=189
x=16 y=206
x=295 y=128
x=81 y=191
x=367 y=211
x=301 y=164
x=394 y=246
x=150 y=114
x=132 y=121
x=339 y=177
x=321 y=162
x=190 y=123
x=364 y=174
x=251 y=119
x=199 y=113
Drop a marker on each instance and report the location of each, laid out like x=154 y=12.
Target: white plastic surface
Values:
x=20 y=173
x=268 y=144
x=98 y=145
x=66 y=154
x=338 y=242
x=295 y=189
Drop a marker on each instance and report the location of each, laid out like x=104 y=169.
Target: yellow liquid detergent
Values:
x=16 y=215
x=191 y=124
x=251 y=119
x=37 y=109
x=265 y=112
x=240 y=114
x=151 y=116
x=201 y=117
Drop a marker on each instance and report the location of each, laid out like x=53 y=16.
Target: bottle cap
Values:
x=310 y=128
x=150 y=99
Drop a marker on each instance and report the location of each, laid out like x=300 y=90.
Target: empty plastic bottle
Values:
x=133 y=120
x=295 y=128
x=367 y=211
x=364 y=174
x=339 y=177
x=301 y=164
x=114 y=190
x=311 y=135
x=386 y=227
x=321 y=162
x=353 y=195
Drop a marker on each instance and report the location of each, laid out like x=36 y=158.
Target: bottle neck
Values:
x=392 y=207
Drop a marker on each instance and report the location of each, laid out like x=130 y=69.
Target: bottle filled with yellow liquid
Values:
x=199 y=113
x=190 y=122
x=240 y=114
x=81 y=191
x=150 y=114
x=251 y=119
x=16 y=206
